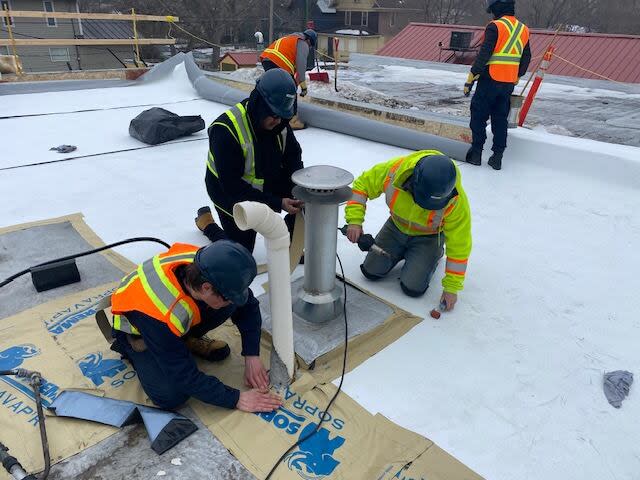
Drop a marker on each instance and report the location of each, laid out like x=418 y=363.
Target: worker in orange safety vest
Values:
x=292 y=53
x=503 y=58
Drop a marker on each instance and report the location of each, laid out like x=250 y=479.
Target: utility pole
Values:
x=270 y=21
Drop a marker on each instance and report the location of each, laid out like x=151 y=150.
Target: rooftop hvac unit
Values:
x=460 y=40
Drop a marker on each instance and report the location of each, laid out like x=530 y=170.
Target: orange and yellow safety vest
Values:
x=513 y=36
x=282 y=52
x=154 y=289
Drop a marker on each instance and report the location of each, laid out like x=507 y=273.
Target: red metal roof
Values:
x=593 y=54
x=245 y=59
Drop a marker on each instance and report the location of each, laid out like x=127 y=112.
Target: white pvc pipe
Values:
x=259 y=217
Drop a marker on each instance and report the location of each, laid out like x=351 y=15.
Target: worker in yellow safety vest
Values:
x=503 y=58
x=428 y=209
x=294 y=54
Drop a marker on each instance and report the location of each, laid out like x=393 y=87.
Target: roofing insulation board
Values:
x=606 y=55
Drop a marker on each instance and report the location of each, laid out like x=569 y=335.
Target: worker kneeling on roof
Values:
x=162 y=309
x=429 y=210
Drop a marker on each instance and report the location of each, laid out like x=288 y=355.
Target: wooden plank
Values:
x=25 y=42
x=90 y=16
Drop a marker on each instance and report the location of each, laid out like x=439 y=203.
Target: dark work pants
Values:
x=152 y=378
x=245 y=238
x=420 y=254
x=491 y=100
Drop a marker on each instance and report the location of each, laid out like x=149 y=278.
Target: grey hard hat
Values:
x=229 y=267
x=312 y=36
x=278 y=89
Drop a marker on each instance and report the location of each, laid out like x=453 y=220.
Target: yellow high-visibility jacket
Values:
x=454 y=220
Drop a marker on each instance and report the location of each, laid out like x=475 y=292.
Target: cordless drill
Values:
x=366 y=243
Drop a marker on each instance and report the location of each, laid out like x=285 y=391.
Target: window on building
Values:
x=392 y=19
x=347 y=17
x=365 y=19
x=5 y=5
x=59 y=54
x=4 y=50
x=48 y=7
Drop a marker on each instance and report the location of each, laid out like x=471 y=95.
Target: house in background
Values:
x=232 y=61
x=64 y=58
x=363 y=26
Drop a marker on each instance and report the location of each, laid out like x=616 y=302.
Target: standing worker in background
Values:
x=252 y=155
x=503 y=58
x=293 y=53
x=162 y=309
x=429 y=209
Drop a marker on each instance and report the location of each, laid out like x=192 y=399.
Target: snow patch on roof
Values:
x=348 y=31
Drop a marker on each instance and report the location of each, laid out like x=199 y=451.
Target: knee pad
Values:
x=410 y=292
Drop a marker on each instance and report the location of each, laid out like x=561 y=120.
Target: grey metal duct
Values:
x=323 y=188
x=165 y=429
x=333 y=120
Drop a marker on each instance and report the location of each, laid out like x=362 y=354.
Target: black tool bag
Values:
x=158 y=125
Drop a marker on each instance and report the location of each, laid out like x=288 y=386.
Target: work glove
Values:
x=471 y=79
x=303 y=89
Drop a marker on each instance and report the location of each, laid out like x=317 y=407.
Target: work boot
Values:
x=204 y=218
x=297 y=124
x=212 y=350
x=474 y=157
x=495 y=160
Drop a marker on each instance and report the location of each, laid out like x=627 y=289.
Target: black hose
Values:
x=333 y=399
x=84 y=254
x=35 y=379
x=35 y=383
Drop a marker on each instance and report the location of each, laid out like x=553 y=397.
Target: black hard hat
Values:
x=312 y=36
x=278 y=89
x=434 y=178
x=229 y=267
x=491 y=3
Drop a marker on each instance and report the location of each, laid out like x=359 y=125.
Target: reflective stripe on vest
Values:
x=276 y=51
x=160 y=290
x=434 y=220
x=240 y=120
x=121 y=324
x=456 y=267
x=358 y=198
x=511 y=51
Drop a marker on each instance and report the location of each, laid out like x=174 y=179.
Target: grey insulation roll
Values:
x=335 y=121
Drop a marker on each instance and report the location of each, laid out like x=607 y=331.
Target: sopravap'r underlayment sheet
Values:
x=56 y=334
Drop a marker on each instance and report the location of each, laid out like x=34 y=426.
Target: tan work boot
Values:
x=212 y=350
x=204 y=218
x=297 y=124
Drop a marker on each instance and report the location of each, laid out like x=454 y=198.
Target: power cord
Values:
x=84 y=254
x=344 y=368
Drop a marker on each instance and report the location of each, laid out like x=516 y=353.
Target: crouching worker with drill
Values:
x=163 y=308
x=429 y=209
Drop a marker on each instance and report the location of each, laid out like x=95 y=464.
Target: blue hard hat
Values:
x=278 y=89
x=490 y=3
x=229 y=267
x=434 y=178
x=312 y=36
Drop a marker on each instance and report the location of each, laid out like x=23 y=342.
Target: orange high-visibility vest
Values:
x=282 y=52
x=513 y=36
x=154 y=289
